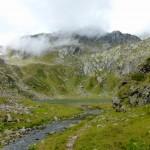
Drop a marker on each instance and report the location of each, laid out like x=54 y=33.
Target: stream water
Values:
x=51 y=128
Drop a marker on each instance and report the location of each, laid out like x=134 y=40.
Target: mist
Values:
x=48 y=16
x=30 y=45
x=88 y=17
x=38 y=44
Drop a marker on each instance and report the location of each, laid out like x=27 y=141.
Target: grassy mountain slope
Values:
x=79 y=71
x=89 y=73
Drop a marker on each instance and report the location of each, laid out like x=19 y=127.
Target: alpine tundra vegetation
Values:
x=71 y=76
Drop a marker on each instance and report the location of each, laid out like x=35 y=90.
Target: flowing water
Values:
x=51 y=128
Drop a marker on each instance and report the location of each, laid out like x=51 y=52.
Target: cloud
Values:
x=69 y=13
x=130 y=16
x=36 y=45
x=21 y=17
x=16 y=20
x=33 y=16
x=30 y=45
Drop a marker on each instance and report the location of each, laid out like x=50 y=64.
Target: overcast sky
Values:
x=20 y=17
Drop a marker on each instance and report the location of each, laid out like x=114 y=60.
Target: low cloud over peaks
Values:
x=24 y=17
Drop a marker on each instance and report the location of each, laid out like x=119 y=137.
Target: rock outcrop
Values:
x=117 y=37
x=135 y=88
x=2 y=61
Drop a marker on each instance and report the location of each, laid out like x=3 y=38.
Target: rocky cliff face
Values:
x=113 y=38
x=117 y=37
x=134 y=88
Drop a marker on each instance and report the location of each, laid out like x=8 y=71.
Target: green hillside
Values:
x=32 y=86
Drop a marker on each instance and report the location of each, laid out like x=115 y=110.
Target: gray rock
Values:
x=8 y=118
x=7 y=132
x=2 y=61
x=55 y=118
x=116 y=102
x=23 y=130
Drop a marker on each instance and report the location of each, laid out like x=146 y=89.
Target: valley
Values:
x=73 y=76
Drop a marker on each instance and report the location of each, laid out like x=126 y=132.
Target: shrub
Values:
x=135 y=144
x=138 y=76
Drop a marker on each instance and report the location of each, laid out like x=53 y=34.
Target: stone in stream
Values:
x=55 y=118
x=7 y=132
x=23 y=130
x=2 y=61
x=8 y=118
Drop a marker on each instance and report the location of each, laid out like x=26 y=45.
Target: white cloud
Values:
x=70 y=13
x=19 y=17
x=130 y=15
x=16 y=20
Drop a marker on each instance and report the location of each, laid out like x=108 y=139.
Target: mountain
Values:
x=75 y=65
x=116 y=37
x=69 y=43
x=113 y=69
x=78 y=66
x=113 y=38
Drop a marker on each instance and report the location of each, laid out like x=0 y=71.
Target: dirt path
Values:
x=73 y=139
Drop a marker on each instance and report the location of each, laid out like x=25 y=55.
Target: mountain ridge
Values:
x=114 y=37
x=80 y=69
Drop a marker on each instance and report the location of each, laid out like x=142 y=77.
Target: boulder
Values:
x=116 y=102
x=2 y=61
x=8 y=118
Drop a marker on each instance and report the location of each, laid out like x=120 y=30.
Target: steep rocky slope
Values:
x=134 y=88
x=81 y=66
x=8 y=78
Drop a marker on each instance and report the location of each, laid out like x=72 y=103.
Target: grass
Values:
x=79 y=101
x=117 y=131
x=39 y=114
x=138 y=76
x=58 y=141
x=3 y=100
x=66 y=81
x=50 y=80
x=108 y=131
x=49 y=76
x=52 y=76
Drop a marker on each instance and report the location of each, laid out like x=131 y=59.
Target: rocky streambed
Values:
x=35 y=136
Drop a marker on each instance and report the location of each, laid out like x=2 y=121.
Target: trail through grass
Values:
x=108 y=131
